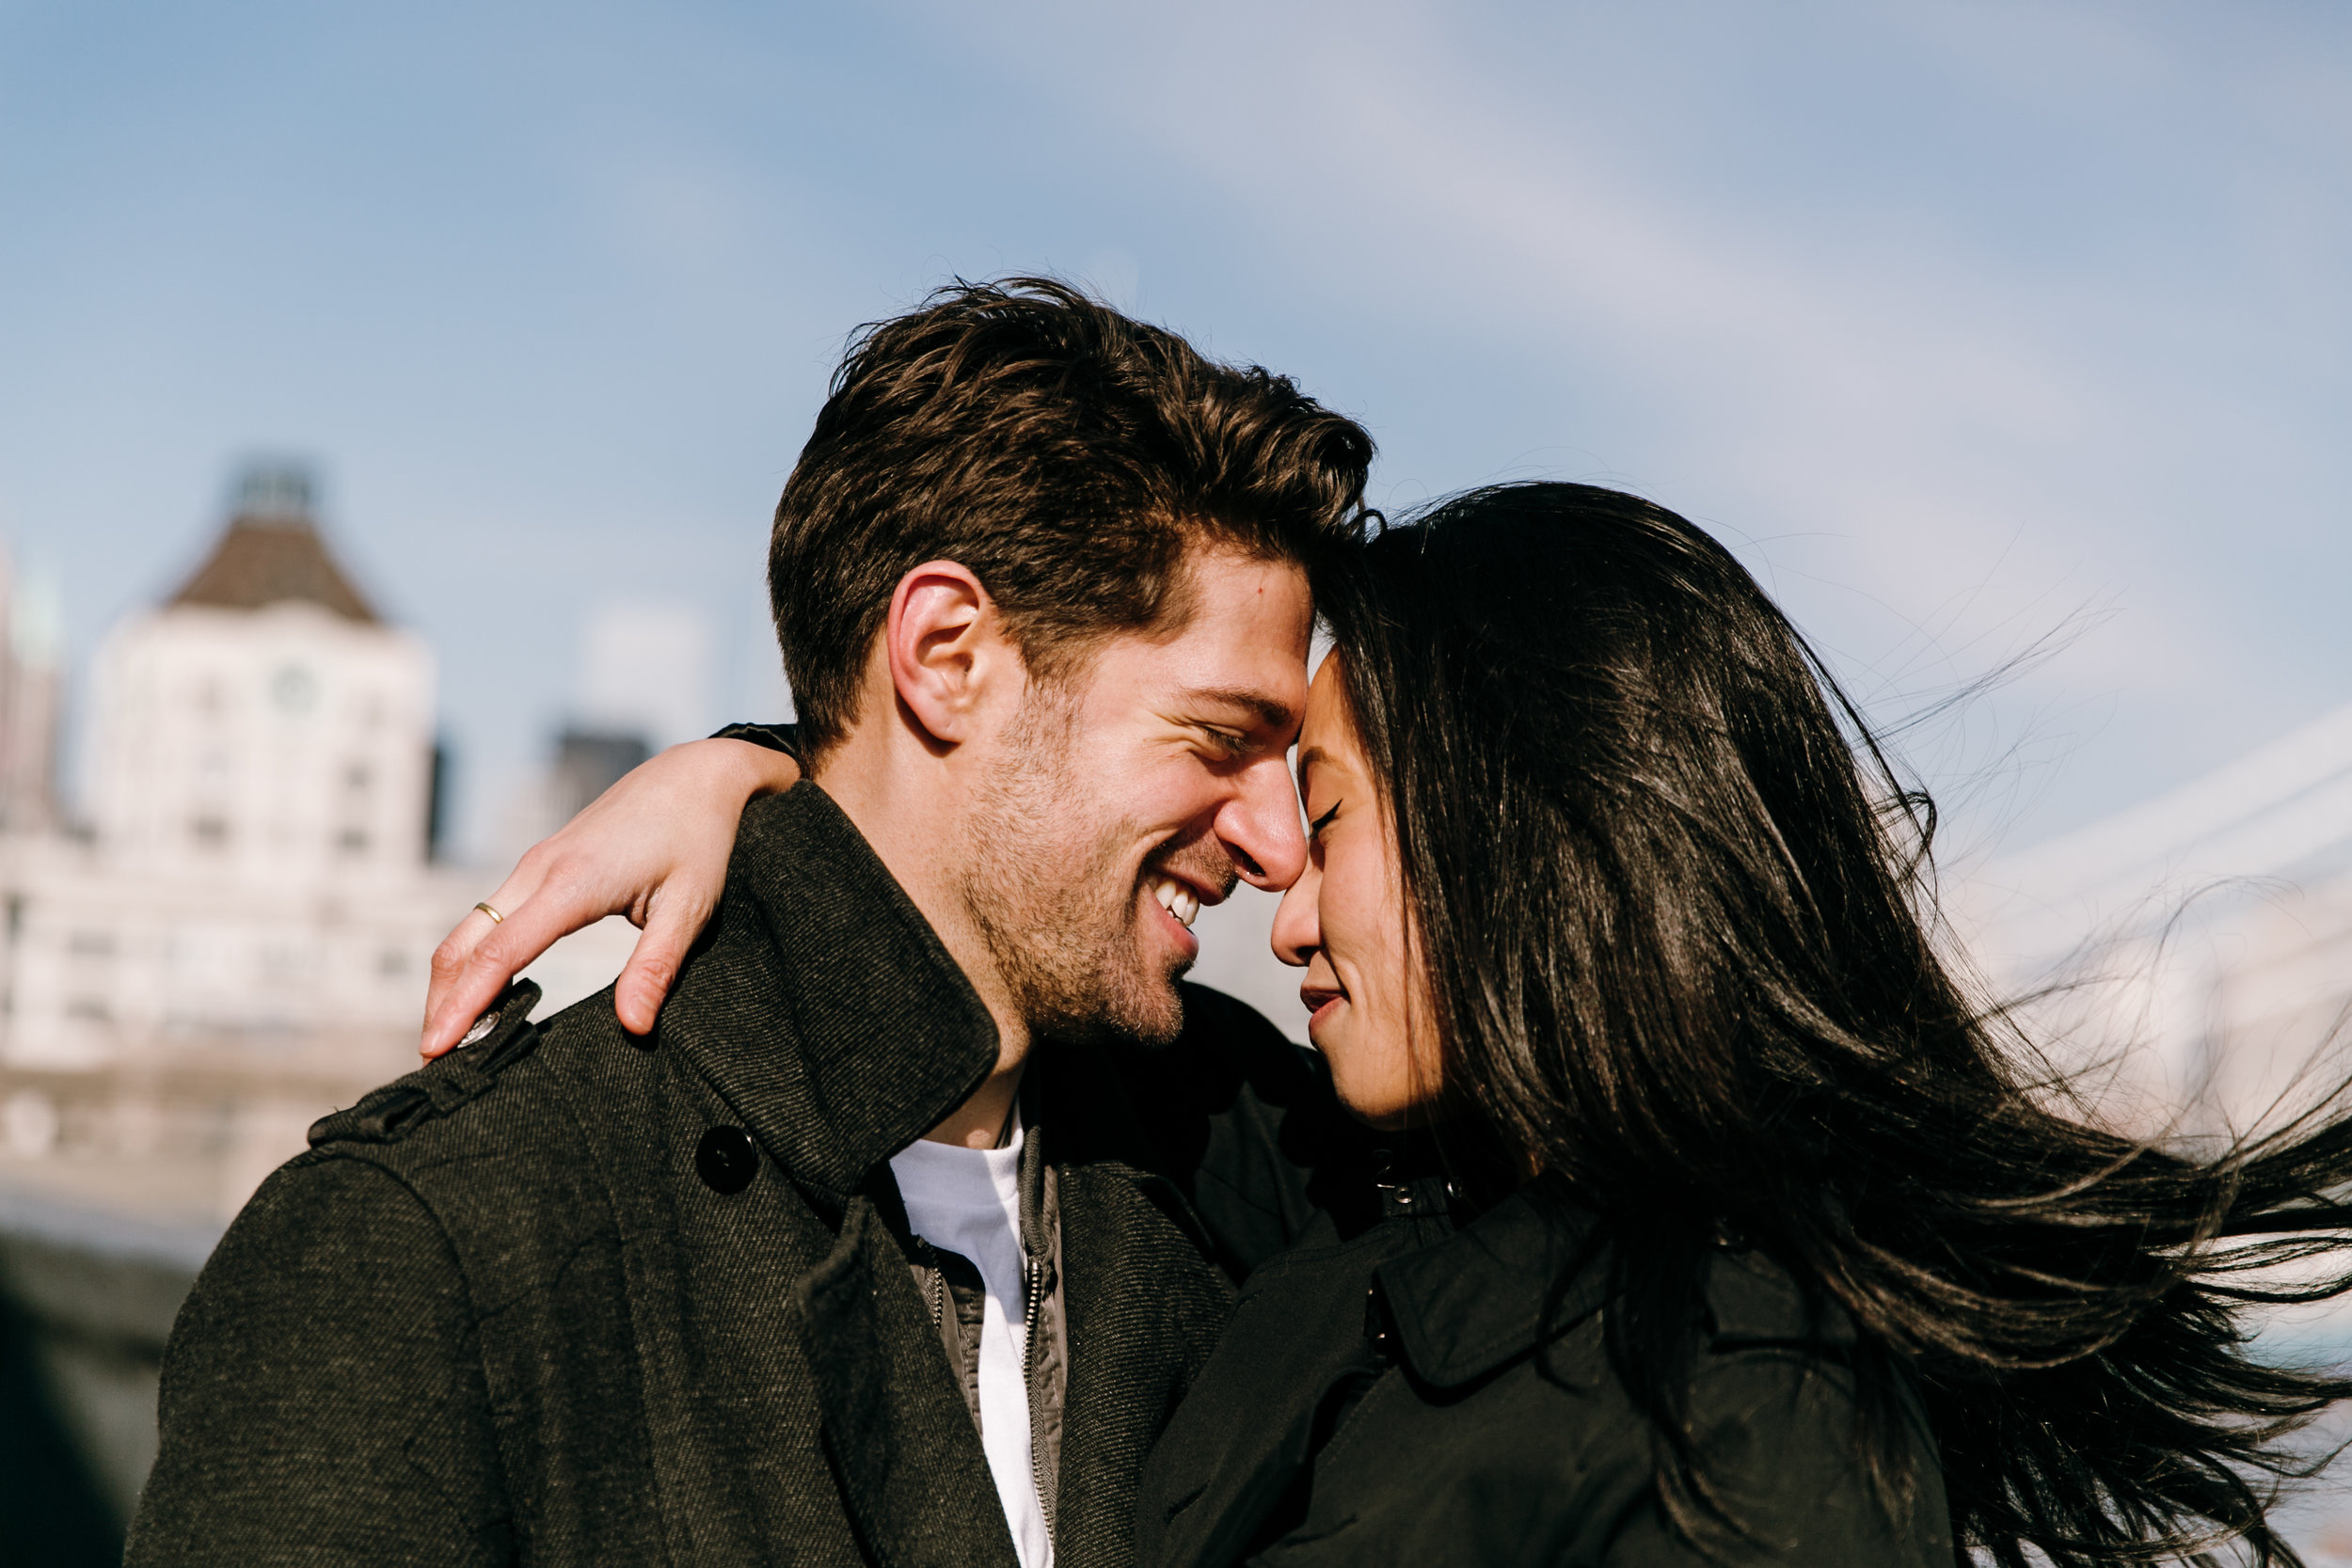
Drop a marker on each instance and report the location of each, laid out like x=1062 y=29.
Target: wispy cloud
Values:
x=1935 y=419
x=1953 y=319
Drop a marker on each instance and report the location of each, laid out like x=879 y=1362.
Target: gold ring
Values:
x=496 y=918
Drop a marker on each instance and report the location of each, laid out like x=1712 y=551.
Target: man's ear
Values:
x=949 y=658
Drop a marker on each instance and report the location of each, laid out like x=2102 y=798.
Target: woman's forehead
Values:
x=1328 y=736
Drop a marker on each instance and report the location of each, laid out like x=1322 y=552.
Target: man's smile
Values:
x=1178 y=900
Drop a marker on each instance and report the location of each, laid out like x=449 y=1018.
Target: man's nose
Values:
x=1260 y=826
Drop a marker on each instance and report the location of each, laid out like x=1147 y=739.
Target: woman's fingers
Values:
x=505 y=951
x=452 y=961
x=463 y=1000
x=676 y=919
x=654 y=847
x=481 y=957
x=451 y=958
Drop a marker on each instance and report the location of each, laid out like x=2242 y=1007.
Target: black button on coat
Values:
x=1421 y=1426
x=506 y=1310
x=727 y=1159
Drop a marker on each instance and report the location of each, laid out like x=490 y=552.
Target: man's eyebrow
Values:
x=1271 y=712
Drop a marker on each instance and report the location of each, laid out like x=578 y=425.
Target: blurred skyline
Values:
x=1964 y=324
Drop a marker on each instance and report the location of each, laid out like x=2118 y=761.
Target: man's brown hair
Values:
x=1063 y=453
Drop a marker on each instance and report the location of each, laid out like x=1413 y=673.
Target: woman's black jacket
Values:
x=1394 y=1399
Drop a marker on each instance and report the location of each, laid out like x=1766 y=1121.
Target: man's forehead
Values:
x=1245 y=601
x=1253 y=657
x=1236 y=651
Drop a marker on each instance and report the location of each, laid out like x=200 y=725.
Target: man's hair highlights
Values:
x=1064 y=453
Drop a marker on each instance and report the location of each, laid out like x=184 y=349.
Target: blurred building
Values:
x=586 y=765
x=263 y=723
x=237 y=937
x=31 y=693
x=644 y=669
x=231 y=940
x=641 y=681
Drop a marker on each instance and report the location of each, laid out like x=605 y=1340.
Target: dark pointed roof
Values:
x=273 y=553
x=260 y=562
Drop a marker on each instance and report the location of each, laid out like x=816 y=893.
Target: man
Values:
x=860 y=1256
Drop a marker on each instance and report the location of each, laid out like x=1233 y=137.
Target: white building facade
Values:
x=237 y=936
x=259 y=779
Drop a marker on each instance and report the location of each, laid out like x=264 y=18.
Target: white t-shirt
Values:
x=967 y=1201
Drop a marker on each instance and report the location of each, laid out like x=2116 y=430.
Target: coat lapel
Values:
x=823 y=1008
x=901 y=1443
x=1230 y=1453
x=827 y=1017
x=1522 y=1273
x=827 y=1022
x=1144 y=1310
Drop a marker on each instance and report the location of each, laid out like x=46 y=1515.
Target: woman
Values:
x=1757 y=1240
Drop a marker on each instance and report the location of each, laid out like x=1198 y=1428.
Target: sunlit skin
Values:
x=1161 y=754
x=1345 y=922
x=1176 y=740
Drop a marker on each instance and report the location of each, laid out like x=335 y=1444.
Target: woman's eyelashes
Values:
x=1315 y=829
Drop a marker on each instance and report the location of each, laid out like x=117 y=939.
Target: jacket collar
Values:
x=823 y=1007
x=1491 y=1292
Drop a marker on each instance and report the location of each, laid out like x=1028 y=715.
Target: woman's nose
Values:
x=1297 y=926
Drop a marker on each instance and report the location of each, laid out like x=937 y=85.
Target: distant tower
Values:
x=264 y=722
x=31 y=690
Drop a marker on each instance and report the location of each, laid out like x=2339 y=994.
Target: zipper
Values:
x=938 y=1284
x=1033 y=1289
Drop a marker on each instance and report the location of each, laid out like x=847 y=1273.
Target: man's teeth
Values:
x=1178 y=900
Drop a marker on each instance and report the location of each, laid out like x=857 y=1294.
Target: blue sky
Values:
x=1965 y=323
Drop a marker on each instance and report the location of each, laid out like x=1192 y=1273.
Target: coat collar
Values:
x=1491 y=1292
x=823 y=1007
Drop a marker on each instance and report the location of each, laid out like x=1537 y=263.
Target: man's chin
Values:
x=1163 y=1019
x=1163 y=1026
x=1147 y=1012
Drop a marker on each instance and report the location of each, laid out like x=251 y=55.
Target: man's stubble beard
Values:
x=1043 y=889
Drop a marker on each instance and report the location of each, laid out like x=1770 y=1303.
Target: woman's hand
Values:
x=653 y=848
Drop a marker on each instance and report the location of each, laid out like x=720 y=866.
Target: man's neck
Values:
x=904 y=827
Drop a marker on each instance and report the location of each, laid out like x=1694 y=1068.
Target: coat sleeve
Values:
x=1776 y=1439
x=323 y=1399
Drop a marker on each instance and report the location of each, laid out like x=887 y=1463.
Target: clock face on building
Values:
x=293 y=688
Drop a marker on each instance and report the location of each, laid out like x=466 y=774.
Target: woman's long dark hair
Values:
x=1675 y=908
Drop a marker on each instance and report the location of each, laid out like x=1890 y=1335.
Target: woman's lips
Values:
x=1319 y=1003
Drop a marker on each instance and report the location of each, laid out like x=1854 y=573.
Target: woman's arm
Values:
x=653 y=848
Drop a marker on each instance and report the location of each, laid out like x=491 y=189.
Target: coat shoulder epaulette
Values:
x=499 y=1038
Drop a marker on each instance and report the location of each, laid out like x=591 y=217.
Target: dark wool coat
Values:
x=544 y=1301
x=1395 y=1398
